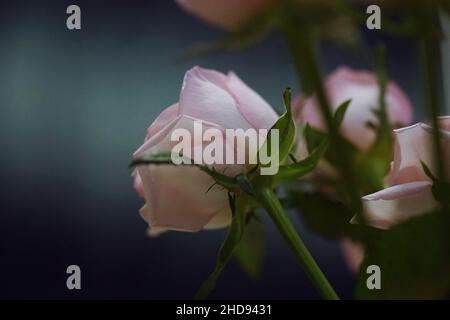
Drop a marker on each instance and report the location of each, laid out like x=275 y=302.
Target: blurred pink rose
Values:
x=410 y=192
x=362 y=88
x=175 y=196
x=227 y=14
x=353 y=254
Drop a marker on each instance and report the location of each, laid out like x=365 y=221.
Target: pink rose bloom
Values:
x=176 y=197
x=226 y=14
x=409 y=194
x=362 y=88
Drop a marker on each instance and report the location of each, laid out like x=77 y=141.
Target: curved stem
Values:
x=303 y=50
x=270 y=202
x=429 y=58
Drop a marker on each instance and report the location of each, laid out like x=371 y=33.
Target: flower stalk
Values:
x=429 y=62
x=270 y=202
x=303 y=51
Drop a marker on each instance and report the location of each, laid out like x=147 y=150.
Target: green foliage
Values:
x=324 y=215
x=232 y=240
x=164 y=158
x=440 y=189
x=250 y=251
x=379 y=156
x=286 y=128
x=161 y=158
x=313 y=137
x=373 y=165
x=414 y=258
x=328 y=216
x=248 y=35
x=330 y=20
x=299 y=168
x=340 y=113
x=317 y=144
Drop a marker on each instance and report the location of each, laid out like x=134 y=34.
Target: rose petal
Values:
x=251 y=105
x=353 y=254
x=168 y=115
x=177 y=197
x=155 y=231
x=444 y=123
x=393 y=205
x=227 y=14
x=138 y=186
x=203 y=96
x=161 y=141
x=362 y=88
x=152 y=231
x=220 y=220
x=413 y=144
x=399 y=106
x=195 y=206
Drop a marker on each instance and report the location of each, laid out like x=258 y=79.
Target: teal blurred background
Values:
x=74 y=105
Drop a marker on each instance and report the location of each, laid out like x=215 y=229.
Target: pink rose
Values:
x=409 y=194
x=362 y=88
x=176 y=196
x=227 y=14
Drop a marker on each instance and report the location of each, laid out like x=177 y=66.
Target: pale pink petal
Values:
x=251 y=105
x=399 y=106
x=413 y=144
x=353 y=254
x=161 y=141
x=152 y=231
x=203 y=97
x=220 y=220
x=396 y=204
x=227 y=14
x=138 y=186
x=158 y=137
x=183 y=197
x=362 y=88
x=310 y=113
x=168 y=115
x=298 y=104
x=209 y=75
x=444 y=123
x=177 y=197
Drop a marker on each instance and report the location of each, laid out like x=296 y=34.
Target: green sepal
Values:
x=286 y=128
x=164 y=158
x=250 y=252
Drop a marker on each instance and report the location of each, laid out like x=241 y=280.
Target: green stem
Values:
x=270 y=202
x=429 y=59
x=303 y=50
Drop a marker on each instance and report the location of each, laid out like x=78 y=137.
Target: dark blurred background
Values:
x=74 y=105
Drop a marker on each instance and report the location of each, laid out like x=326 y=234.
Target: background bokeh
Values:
x=74 y=105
